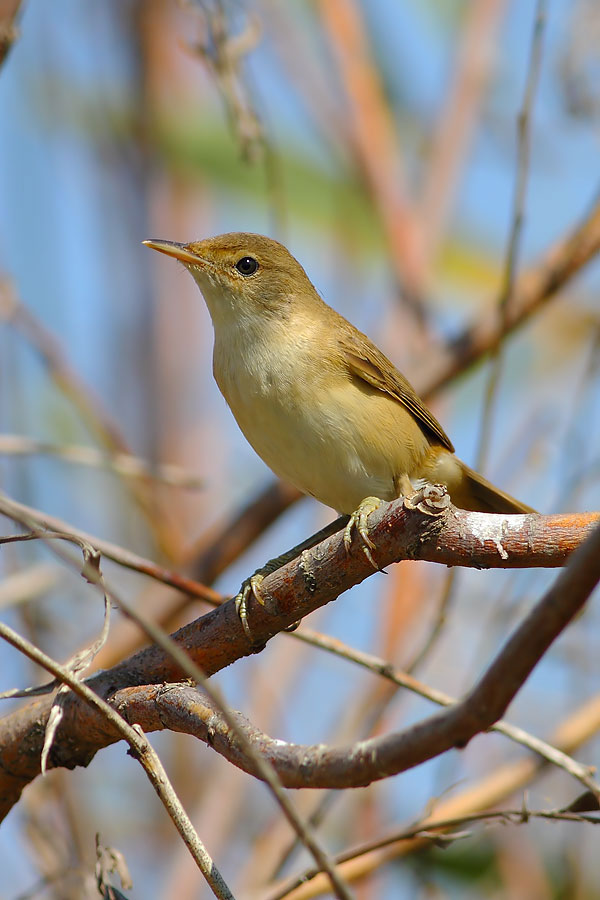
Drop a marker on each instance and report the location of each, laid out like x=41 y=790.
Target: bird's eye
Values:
x=247 y=265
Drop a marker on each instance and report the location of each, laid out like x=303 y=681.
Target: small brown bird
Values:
x=322 y=406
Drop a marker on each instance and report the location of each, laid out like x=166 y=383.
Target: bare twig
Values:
x=435 y=831
x=579 y=771
x=177 y=655
x=99 y=422
x=120 y=555
x=504 y=816
x=77 y=665
x=120 y=463
x=141 y=751
x=532 y=290
x=488 y=792
x=507 y=291
x=223 y=54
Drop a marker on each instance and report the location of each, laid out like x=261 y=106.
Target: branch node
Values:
x=305 y=568
x=430 y=499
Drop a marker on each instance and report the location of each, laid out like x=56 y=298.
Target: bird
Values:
x=318 y=401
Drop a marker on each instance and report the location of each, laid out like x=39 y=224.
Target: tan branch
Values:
x=538 y=284
x=96 y=418
x=460 y=109
x=374 y=139
x=120 y=463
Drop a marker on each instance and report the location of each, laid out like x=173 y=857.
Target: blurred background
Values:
x=378 y=141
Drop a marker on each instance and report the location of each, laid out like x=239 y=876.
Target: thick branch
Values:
x=183 y=708
x=320 y=766
x=399 y=529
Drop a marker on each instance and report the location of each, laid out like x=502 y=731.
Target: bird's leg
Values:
x=251 y=586
x=359 y=520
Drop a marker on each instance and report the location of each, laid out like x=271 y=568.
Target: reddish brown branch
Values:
x=327 y=767
x=207 y=559
x=184 y=708
x=320 y=575
x=9 y=10
x=460 y=109
x=126 y=558
x=373 y=138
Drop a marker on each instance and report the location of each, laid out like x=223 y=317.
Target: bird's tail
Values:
x=480 y=495
x=468 y=489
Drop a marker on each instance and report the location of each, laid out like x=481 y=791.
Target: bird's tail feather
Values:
x=479 y=495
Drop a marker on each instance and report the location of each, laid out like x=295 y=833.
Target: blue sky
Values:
x=75 y=204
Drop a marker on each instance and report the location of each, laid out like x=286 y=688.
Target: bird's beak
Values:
x=177 y=251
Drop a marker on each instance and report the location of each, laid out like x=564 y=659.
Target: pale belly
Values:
x=351 y=442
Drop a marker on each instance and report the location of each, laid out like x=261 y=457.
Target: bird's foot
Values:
x=359 y=520
x=250 y=588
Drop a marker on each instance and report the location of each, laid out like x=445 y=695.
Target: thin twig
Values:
x=97 y=419
x=223 y=54
x=486 y=793
x=381 y=667
x=126 y=558
x=507 y=291
x=120 y=463
x=77 y=665
x=192 y=670
x=435 y=832
x=534 y=287
x=140 y=747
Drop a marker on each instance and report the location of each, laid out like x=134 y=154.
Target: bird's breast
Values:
x=312 y=423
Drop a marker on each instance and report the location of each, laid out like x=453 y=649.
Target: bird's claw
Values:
x=359 y=520
x=250 y=587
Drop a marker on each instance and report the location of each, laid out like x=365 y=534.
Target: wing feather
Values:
x=369 y=364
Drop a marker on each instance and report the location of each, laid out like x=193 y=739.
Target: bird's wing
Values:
x=366 y=362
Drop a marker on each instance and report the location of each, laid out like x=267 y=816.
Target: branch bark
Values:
x=402 y=529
